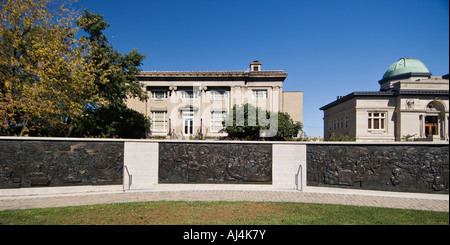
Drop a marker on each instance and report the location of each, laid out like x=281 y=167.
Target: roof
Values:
x=212 y=75
x=405 y=67
x=386 y=94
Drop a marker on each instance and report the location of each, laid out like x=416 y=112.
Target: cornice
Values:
x=212 y=75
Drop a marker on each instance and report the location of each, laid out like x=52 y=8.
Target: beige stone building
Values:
x=182 y=104
x=411 y=105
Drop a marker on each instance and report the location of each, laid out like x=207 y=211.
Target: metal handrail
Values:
x=299 y=173
x=130 y=178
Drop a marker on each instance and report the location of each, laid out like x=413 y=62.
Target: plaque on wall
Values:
x=60 y=163
x=215 y=163
x=414 y=168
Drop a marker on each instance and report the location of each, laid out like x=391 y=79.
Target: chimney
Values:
x=255 y=66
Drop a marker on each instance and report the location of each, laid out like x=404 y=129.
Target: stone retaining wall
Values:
x=148 y=164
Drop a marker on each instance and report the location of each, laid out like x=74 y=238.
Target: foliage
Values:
x=45 y=82
x=113 y=122
x=342 y=138
x=108 y=116
x=246 y=123
x=119 y=70
x=287 y=128
x=242 y=129
x=52 y=84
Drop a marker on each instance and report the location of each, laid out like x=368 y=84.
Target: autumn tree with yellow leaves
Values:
x=53 y=84
x=45 y=82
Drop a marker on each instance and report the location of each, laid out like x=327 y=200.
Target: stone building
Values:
x=182 y=104
x=411 y=105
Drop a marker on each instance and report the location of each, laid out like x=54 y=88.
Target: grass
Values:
x=221 y=213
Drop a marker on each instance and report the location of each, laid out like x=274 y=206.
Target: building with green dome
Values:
x=412 y=104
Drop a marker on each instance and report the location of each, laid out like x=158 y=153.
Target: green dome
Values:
x=406 y=66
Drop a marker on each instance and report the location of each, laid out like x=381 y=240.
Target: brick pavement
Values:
x=431 y=202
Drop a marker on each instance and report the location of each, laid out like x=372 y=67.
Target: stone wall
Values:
x=408 y=167
x=80 y=164
x=34 y=163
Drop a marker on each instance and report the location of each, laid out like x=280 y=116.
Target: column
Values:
x=271 y=99
x=203 y=90
x=235 y=99
x=173 y=113
x=276 y=95
x=421 y=126
x=446 y=126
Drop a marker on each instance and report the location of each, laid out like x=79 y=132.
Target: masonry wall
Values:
x=202 y=164
x=388 y=167
x=97 y=165
x=293 y=105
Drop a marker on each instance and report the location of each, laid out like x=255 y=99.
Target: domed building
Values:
x=411 y=105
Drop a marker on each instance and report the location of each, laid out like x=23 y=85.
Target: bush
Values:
x=251 y=126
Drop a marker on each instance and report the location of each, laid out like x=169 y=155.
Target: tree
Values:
x=247 y=122
x=242 y=123
x=119 y=70
x=115 y=122
x=108 y=116
x=287 y=128
x=45 y=81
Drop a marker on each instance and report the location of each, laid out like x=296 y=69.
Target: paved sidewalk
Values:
x=361 y=198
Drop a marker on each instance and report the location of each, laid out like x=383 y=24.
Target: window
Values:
x=260 y=94
x=159 y=94
x=376 y=120
x=159 y=121
x=189 y=94
x=188 y=123
x=346 y=121
x=219 y=95
x=330 y=124
x=431 y=125
x=217 y=117
x=342 y=123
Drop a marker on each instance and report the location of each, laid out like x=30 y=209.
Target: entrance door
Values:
x=431 y=125
x=188 y=123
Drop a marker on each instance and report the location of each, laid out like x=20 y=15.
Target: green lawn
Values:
x=221 y=213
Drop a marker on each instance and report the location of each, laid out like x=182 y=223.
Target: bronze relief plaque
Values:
x=215 y=163
x=409 y=168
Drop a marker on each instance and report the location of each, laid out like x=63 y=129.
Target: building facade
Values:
x=184 y=104
x=411 y=105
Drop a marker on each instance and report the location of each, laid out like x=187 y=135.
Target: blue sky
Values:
x=329 y=48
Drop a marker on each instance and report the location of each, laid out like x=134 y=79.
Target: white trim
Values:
x=256 y=94
x=188 y=116
x=213 y=120
x=185 y=93
x=164 y=121
x=381 y=118
x=154 y=94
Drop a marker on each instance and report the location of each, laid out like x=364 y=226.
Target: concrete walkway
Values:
x=433 y=202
